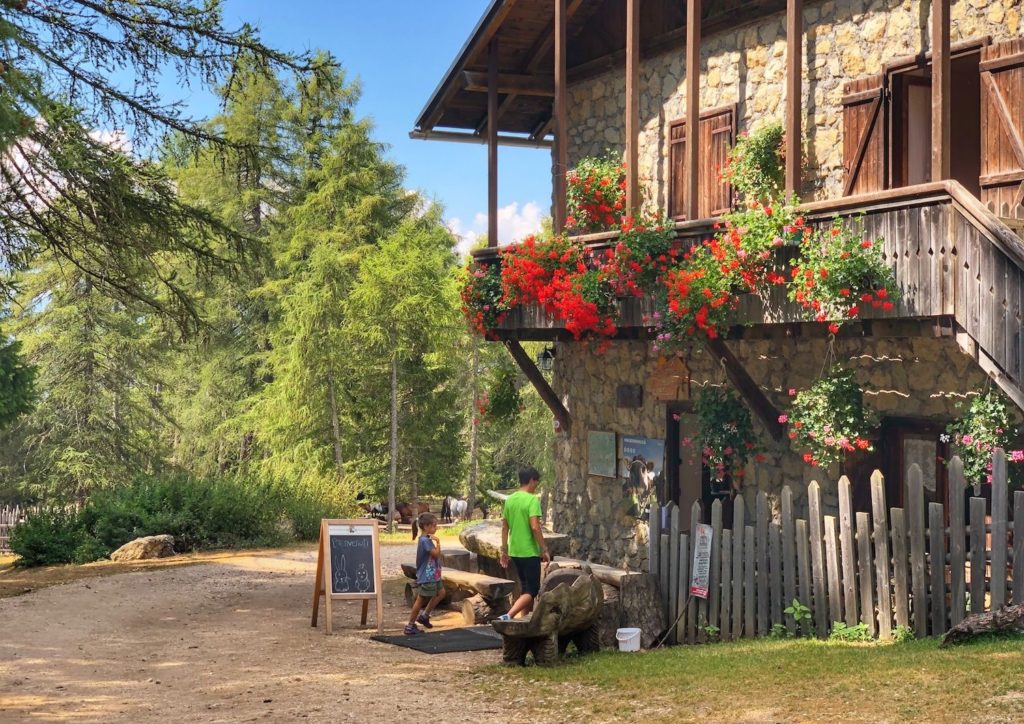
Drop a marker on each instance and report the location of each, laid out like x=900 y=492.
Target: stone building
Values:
x=911 y=116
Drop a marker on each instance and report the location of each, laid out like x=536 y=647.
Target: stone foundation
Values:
x=921 y=377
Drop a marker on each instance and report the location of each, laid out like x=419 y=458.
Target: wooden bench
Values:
x=483 y=597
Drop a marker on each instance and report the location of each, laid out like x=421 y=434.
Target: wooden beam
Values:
x=492 y=144
x=745 y=385
x=521 y=83
x=633 y=199
x=537 y=54
x=539 y=383
x=794 y=90
x=941 y=108
x=460 y=137
x=693 y=22
x=561 y=156
x=481 y=41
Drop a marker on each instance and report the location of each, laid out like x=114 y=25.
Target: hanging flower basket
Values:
x=985 y=424
x=727 y=435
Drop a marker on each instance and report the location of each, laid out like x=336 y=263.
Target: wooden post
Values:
x=633 y=199
x=536 y=377
x=794 y=109
x=957 y=554
x=819 y=604
x=941 y=113
x=1000 y=510
x=788 y=554
x=693 y=11
x=918 y=570
x=849 y=553
x=881 y=536
x=561 y=146
x=492 y=144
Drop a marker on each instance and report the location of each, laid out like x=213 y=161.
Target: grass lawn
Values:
x=779 y=681
x=405 y=536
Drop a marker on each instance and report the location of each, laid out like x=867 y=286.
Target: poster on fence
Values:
x=701 y=562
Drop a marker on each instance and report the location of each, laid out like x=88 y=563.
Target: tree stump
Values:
x=641 y=607
x=477 y=610
x=608 y=622
x=1008 y=619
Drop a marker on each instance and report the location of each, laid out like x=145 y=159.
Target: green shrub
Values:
x=49 y=537
x=902 y=634
x=842 y=632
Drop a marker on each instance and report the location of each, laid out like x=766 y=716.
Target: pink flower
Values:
x=967 y=440
x=783 y=419
x=1017 y=456
x=792 y=392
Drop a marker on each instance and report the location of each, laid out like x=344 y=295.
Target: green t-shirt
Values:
x=519 y=508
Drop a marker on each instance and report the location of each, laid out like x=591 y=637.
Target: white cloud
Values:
x=514 y=223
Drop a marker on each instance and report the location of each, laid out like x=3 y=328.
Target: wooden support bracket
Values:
x=746 y=386
x=536 y=378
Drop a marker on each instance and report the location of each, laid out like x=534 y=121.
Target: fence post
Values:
x=900 y=573
x=788 y=552
x=682 y=586
x=654 y=541
x=915 y=522
x=937 y=551
x=866 y=568
x=957 y=556
x=775 y=534
x=881 y=535
x=762 y=563
x=849 y=552
x=673 y=562
x=691 y=610
x=803 y=563
x=1018 y=546
x=835 y=598
x=1000 y=496
x=725 y=628
x=739 y=511
x=977 y=555
x=820 y=603
x=714 y=585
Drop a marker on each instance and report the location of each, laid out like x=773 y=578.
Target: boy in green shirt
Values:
x=522 y=541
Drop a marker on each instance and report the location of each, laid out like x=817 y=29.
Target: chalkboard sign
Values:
x=348 y=567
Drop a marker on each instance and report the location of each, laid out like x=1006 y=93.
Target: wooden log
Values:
x=915 y=526
x=1018 y=546
x=865 y=570
x=803 y=564
x=738 y=515
x=937 y=567
x=605 y=574
x=715 y=582
x=749 y=591
x=477 y=610
x=835 y=596
x=900 y=574
x=456 y=559
x=819 y=606
x=688 y=552
x=788 y=553
x=881 y=538
x=638 y=597
x=1009 y=619
x=775 y=564
x=957 y=552
x=849 y=552
x=489 y=587
x=682 y=589
x=762 y=564
x=725 y=627
x=1000 y=511
x=977 y=508
x=610 y=619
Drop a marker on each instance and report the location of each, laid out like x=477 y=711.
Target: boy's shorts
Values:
x=429 y=590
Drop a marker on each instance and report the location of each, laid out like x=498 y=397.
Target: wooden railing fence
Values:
x=885 y=568
x=10 y=516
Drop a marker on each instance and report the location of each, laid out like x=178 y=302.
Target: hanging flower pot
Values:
x=727 y=437
x=985 y=424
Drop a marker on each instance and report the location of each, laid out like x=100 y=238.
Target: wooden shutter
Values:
x=716 y=135
x=1002 y=126
x=864 y=136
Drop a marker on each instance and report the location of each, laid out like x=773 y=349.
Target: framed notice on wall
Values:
x=348 y=568
x=601 y=453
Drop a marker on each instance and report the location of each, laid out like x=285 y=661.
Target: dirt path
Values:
x=228 y=640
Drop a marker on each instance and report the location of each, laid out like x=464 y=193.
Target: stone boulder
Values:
x=484 y=539
x=140 y=549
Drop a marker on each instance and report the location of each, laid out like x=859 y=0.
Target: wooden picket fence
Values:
x=885 y=568
x=10 y=516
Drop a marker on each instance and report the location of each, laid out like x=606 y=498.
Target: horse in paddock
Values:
x=453 y=508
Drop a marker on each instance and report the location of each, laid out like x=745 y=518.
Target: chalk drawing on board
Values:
x=362 y=579
x=341 y=579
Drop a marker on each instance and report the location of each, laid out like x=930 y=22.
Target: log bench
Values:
x=483 y=597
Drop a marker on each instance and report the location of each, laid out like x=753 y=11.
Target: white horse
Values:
x=459 y=508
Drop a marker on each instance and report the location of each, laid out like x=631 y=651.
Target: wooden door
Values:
x=1002 y=126
x=864 y=135
x=716 y=135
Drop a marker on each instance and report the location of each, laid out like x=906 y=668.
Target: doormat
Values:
x=477 y=638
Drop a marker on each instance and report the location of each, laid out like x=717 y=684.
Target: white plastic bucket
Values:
x=628 y=638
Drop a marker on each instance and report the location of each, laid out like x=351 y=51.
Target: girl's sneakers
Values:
x=424 y=620
x=504 y=617
x=411 y=629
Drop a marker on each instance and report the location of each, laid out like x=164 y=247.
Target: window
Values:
x=716 y=136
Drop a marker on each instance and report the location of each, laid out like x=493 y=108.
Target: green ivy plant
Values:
x=757 y=165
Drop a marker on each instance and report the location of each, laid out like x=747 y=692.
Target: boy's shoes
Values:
x=411 y=629
x=424 y=620
x=504 y=617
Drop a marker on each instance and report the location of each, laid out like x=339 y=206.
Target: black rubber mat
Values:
x=478 y=638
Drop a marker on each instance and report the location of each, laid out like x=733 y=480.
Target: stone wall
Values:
x=922 y=377
x=746 y=66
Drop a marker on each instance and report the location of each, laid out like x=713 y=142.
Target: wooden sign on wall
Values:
x=670 y=380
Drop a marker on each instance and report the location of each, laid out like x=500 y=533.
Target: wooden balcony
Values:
x=959 y=267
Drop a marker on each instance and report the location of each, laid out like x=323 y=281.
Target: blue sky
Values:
x=399 y=50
